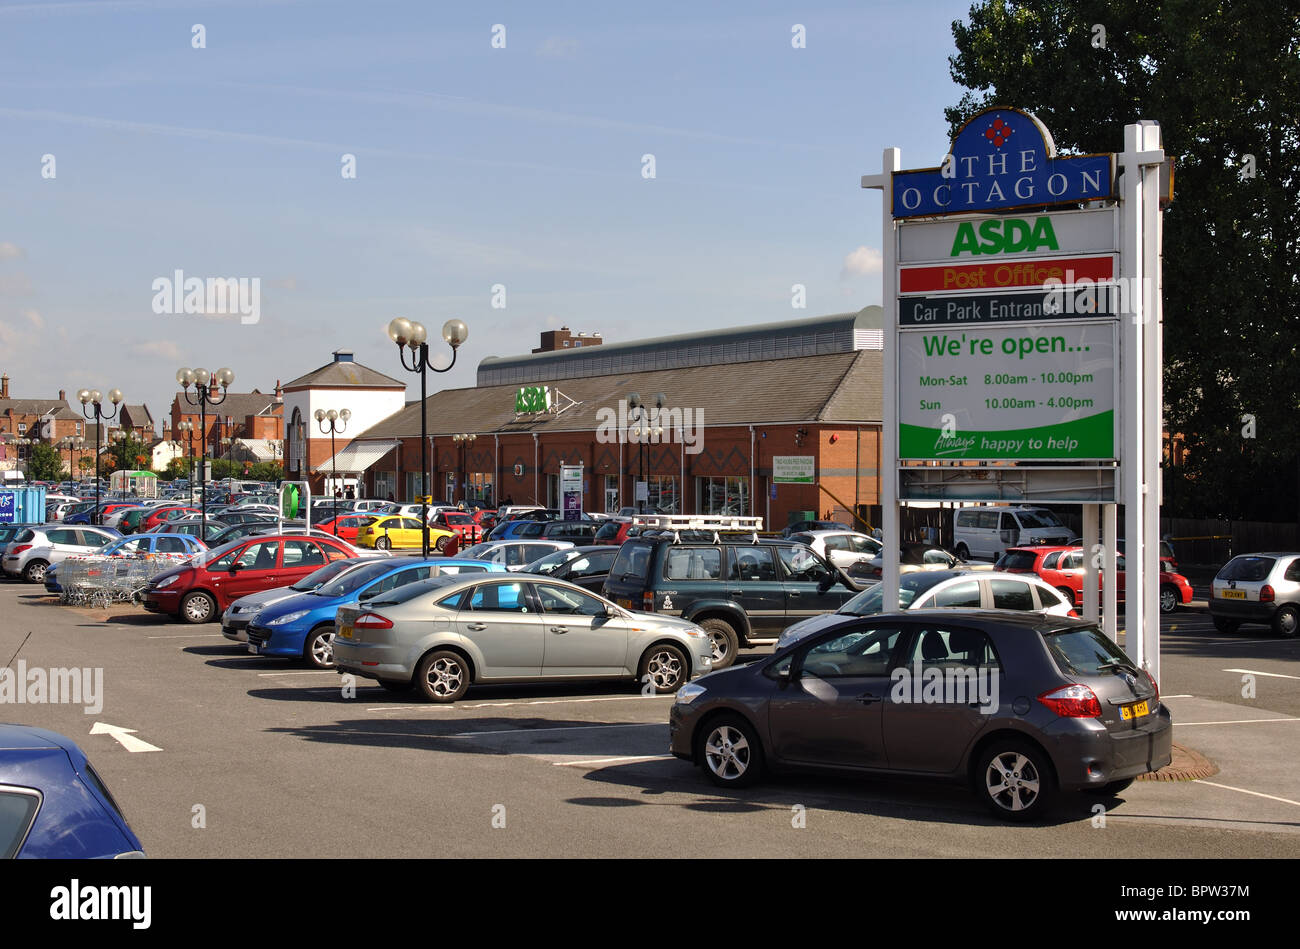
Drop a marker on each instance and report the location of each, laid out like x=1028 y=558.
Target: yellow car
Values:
x=394 y=530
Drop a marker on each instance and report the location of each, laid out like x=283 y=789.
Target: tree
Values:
x=1223 y=80
x=85 y=464
x=44 y=463
x=124 y=452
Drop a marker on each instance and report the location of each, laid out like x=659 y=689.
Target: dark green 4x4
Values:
x=739 y=590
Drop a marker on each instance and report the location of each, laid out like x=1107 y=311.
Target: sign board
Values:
x=1008 y=392
x=973 y=238
x=1004 y=274
x=8 y=506
x=532 y=399
x=571 y=492
x=642 y=491
x=1001 y=159
x=1034 y=306
x=519 y=471
x=793 y=469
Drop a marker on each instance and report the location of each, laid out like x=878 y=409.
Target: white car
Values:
x=946 y=589
x=31 y=551
x=842 y=548
x=513 y=554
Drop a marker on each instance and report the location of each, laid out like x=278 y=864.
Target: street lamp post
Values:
x=92 y=407
x=73 y=444
x=642 y=431
x=464 y=441
x=329 y=422
x=187 y=430
x=204 y=383
x=406 y=334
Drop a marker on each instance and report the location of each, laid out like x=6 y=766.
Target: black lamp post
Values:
x=73 y=444
x=187 y=430
x=642 y=432
x=205 y=383
x=92 y=407
x=329 y=421
x=413 y=335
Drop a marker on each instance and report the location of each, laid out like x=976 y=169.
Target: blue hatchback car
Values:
x=182 y=545
x=52 y=803
x=302 y=626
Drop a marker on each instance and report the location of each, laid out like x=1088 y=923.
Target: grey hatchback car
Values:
x=1018 y=705
x=443 y=634
x=1258 y=588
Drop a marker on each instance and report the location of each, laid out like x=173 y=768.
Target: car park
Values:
x=1053 y=705
x=198 y=591
x=588 y=567
x=986 y=532
x=945 y=589
x=444 y=634
x=1261 y=588
x=743 y=589
x=53 y=805
x=302 y=626
x=33 y=550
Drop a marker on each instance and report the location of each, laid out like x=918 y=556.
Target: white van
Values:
x=986 y=532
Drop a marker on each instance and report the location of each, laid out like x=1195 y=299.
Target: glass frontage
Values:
x=611 y=494
x=480 y=486
x=723 y=496
x=664 y=497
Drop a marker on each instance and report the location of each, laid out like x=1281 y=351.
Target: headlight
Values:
x=689 y=693
x=287 y=618
x=166 y=582
x=697 y=633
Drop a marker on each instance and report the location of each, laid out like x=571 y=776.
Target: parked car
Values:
x=212 y=535
x=165 y=515
x=394 y=530
x=198 y=591
x=945 y=589
x=802 y=527
x=89 y=516
x=1070 y=711
x=916 y=556
x=514 y=555
x=1257 y=588
x=739 y=589
x=1063 y=568
x=588 y=567
x=137 y=545
x=580 y=532
x=237 y=616
x=616 y=530
x=985 y=532
x=32 y=551
x=302 y=626
x=462 y=523
x=346 y=526
x=53 y=805
x=844 y=548
x=444 y=634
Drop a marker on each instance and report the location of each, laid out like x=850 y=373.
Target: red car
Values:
x=469 y=528
x=199 y=591
x=162 y=515
x=348 y=525
x=1063 y=568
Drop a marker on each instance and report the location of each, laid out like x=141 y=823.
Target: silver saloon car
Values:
x=444 y=634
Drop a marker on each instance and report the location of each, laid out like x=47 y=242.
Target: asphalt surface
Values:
x=263 y=758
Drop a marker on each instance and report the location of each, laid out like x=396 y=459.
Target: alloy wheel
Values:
x=445 y=677
x=665 y=670
x=1012 y=781
x=322 y=650
x=727 y=753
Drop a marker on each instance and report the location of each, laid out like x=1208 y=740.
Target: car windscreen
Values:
x=608 y=530
x=1017 y=560
x=633 y=561
x=1246 y=568
x=910 y=586
x=552 y=562
x=351 y=580
x=1085 y=651
x=1039 y=519
x=478 y=551
x=325 y=574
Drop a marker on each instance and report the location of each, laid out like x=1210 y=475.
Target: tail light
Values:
x=1073 y=613
x=372 y=621
x=1153 y=683
x=648 y=601
x=1266 y=595
x=1073 y=701
x=20 y=548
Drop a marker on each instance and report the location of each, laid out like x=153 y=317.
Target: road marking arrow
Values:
x=125 y=737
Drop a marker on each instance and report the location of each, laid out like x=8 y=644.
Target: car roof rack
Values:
x=676 y=523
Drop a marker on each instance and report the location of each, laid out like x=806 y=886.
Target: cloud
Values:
x=864 y=260
x=558 y=47
x=35 y=318
x=9 y=250
x=162 y=348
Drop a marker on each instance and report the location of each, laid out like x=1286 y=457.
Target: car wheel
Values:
x=1285 y=621
x=1069 y=596
x=1015 y=779
x=1170 y=598
x=198 y=608
x=440 y=544
x=34 y=572
x=724 y=639
x=962 y=552
x=319 y=648
x=666 y=668
x=1108 y=790
x=1225 y=625
x=730 y=752
x=383 y=543
x=443 y=676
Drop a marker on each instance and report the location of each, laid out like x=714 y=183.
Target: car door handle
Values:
x=867 y=698
x=559 y=629
x=794 y=593
x=477 y=627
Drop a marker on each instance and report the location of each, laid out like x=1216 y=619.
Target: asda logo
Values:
x=1004 y=236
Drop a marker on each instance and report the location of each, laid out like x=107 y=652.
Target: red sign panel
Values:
x=1004 y=274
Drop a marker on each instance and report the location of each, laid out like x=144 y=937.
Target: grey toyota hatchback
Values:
x=1018 y=705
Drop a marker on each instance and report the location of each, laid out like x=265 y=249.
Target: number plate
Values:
x=252 y=647
x=626 y=604
x=345 y=632
x=1232 y=594
x=1127 y=712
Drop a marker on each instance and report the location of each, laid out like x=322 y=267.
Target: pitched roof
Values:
x=836 y=387
x=138 y=416
x=238 y=405
x=59 y=407
x=341 y=374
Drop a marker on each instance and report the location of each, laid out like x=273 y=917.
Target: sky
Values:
x=496 y=145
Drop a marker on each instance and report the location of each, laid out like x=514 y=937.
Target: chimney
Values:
x=4 y=386
x=63 y=395
x=279 y=394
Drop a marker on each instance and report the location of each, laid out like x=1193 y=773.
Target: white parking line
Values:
x=461 y=705
x=1163 y=697
x=1240 y=721
x=314 y=672
x=189 y=636
x=582 y=762
x=1229 y=787
x=558 y=728
x=1271 y=675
